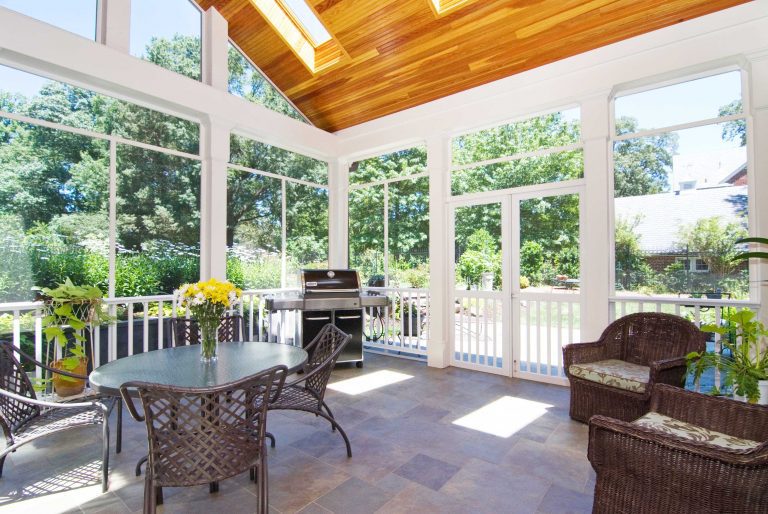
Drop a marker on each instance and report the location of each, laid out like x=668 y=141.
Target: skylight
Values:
x=302 y=31
x=307 y=18
x=441 y=7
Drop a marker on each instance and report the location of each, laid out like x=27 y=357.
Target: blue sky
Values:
x=689 y=101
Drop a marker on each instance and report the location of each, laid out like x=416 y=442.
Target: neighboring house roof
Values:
x=707 y=169
x=662 y=215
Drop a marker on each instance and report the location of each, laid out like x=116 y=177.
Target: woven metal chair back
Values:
x=650 y=336
x=202 y=435
x=15 y=380
x=323 y=352
x=187 y=331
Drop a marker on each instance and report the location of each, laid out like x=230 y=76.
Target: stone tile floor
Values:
x=408 y=454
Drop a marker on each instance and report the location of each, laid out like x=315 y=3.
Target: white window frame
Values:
x=284 y=180
x=649 y=84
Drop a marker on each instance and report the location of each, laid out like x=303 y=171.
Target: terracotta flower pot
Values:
x=67 y=386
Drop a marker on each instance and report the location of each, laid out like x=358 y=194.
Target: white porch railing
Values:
x=477 y=337
x=401 y=329
x=143 y=324
x=547 y=322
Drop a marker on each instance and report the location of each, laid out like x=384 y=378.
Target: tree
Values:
x=735 y=130
x=641 y=165
x=632 y=270
x=715 y=241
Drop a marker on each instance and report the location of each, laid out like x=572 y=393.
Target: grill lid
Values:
x=314 y=281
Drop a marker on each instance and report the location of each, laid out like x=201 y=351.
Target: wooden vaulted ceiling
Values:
x=403 y=53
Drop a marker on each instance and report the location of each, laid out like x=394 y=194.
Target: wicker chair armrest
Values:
x=46 y=367
x=610 y=437
x=664 y=364
x=739 y=419
x=578 y=353
x=54 y=405
x=128 y=399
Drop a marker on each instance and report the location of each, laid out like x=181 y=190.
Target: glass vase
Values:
x=209 y=344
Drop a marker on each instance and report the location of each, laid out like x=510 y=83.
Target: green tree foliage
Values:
x=734 y=130
x=642 y=165
x=246 y=81
x=408 y=214
x=632 y=270
x=715 y=241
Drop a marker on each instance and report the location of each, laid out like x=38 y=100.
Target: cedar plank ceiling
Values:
x=401 y=54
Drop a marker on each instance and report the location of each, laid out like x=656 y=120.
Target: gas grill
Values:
x=331 y=296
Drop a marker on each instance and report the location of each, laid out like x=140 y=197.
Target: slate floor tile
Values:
x=429 y=472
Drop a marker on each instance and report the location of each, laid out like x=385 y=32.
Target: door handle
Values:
x=317 y=319
x=348 y=317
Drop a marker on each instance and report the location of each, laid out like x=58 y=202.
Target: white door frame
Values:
x=510 y=295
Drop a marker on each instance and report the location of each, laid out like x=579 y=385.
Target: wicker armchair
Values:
x=24 y=418
x=186 y=331
x=615 y=375
x=307 y=392
x=692 y=453
x=199 y=436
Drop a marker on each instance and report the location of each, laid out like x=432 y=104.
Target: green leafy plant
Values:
x=70 y=309
x=746 y=360
x=751 y=255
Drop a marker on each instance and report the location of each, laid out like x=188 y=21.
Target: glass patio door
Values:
x=546 y=285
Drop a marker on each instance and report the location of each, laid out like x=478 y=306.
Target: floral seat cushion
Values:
x=696 y=433
x=614 y=373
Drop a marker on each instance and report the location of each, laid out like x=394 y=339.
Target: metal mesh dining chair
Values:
x=199 y=436
x=25 y=419
x=186 y=331
x=307 y=392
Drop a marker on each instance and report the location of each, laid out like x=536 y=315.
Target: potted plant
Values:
x=744 y=361
x=70 y=310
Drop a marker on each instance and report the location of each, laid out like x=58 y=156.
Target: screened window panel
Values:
x=409 y=232
x=542 y=132
x=263 y=157
x=76 y=16
x=306 y=220
x=169 y=34
x=254 y=230
x=392 y=165
x=555 y=167
x=158 y=222
x=366 y=232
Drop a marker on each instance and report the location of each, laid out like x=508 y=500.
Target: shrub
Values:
x=532 y=261
x=567 y=262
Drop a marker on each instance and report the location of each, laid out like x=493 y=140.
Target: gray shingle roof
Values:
x=662 y=215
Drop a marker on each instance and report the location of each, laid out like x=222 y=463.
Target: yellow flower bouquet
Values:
x=207 y=301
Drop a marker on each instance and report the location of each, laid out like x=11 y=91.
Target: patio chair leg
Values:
x=271 y=439
x=2 y=463
x=105 y=456
x=140 y=463
x=328 y=409
x=119 y=435
x=253 y=474
x=150 y=497
x=213 y=487
x=341 y=431
x=263 y=500
x=158 y=495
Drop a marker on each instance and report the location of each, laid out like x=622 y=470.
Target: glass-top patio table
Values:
x=181 y=366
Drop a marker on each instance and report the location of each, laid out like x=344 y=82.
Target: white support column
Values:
x=215 y=48
x=596 y=236
x=338 y=212
x=213 y=201
x=441 y=300
x=113 y=24
x=757 y=120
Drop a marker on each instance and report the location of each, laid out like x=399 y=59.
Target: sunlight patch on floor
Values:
x=368 y=382
x=503 y=417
